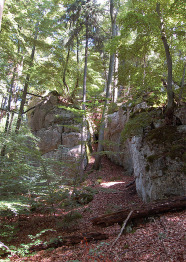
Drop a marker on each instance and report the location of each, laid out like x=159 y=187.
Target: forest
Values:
x=68 y=71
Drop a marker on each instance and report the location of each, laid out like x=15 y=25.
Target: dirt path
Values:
x=160 y=240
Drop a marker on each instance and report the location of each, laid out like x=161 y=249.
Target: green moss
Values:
x=177 y=151
x=136 y=124
x=151 y=158
x=162 y=135
x=164 y=169
x=147 y=168
x=169 y=139
x=113 y=107
x=71 y=217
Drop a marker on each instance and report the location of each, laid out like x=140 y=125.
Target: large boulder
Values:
x=58 y=129
x=154 y=153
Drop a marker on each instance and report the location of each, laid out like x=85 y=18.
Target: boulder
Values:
x=58 y=129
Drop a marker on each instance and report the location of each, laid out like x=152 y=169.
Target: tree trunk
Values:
x=23 y=100
x=84 y=128
x=144 y=211
x=65 y=69
x=70 y=240
x=7 y=124
x=115 y=88
x=73 y=95
x=97 y=163
x=1 y=11
x=170 y=93
x=182 y=84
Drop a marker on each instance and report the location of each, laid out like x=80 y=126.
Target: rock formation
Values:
x=152 y=152
x=58 y=129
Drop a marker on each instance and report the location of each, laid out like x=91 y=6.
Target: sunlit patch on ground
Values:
x=109 y=184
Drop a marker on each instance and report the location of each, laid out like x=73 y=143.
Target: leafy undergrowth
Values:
x=161 y=239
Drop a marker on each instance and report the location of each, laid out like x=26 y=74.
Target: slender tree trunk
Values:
x=65 y=69
x=144 y=70
x=3 y=103
x=115 y=89
x=97 y=163
x=84 y=129
x=182 y=84
x=1 y=11
x=23 y=100
x=170 y=93
x=10 y=98
x=77 y=78
x=11 y=121
x=7 y=124
x=77 y=56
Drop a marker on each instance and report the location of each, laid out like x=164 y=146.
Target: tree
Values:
x=1 y=11
x=25 y=90
x=150 y=49
x=170 y=94
x=113 y=15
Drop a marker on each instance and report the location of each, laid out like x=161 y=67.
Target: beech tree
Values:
x=113 y=16
x=170 y=94
x=149 y=48
x=1 y=11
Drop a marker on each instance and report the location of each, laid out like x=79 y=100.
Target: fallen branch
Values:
x=9 y=251
x=130 y=184
x=143 y=211
x=70 y=240
x=123 y=227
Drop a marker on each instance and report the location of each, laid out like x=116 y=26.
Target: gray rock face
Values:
x=157 y=176
x=119 y=152
x=58 y=130
x=155 y=157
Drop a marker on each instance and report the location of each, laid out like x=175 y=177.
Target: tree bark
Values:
x=7 y=124
x=23 y=100
x=143 y=211
x=71 y=240
x=1 y=11
x=170 y=93
x=182 y=84
x=97 y=163
x=83 y=132
x=65 y=69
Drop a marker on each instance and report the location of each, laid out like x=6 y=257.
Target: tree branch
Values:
x=123 y=227
x=34 y=95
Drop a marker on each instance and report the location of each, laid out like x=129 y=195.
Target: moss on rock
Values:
x=171 y=141
x=136 y=124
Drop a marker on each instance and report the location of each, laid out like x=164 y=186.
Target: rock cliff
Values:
x=58 y=129
x=154 y=153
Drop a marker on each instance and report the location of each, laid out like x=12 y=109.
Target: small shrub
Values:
x=151 y=158
x=70 y=220
x=113 y=107
x=136 y=124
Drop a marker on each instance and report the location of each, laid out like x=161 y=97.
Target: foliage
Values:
x=170 y=140
x=31 y=183
x=69 y=220
x=136 y=124
x=141 y=50
x=113 y=107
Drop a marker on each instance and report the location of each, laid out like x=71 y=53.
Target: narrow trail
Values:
x=159 y=240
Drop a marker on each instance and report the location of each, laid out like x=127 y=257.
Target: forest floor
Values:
x=160 y=240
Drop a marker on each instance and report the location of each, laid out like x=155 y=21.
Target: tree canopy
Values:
x=96 y=56
x=117 y=51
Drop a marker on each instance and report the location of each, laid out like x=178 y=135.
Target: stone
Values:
x=58 y=130
x=157 y=166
